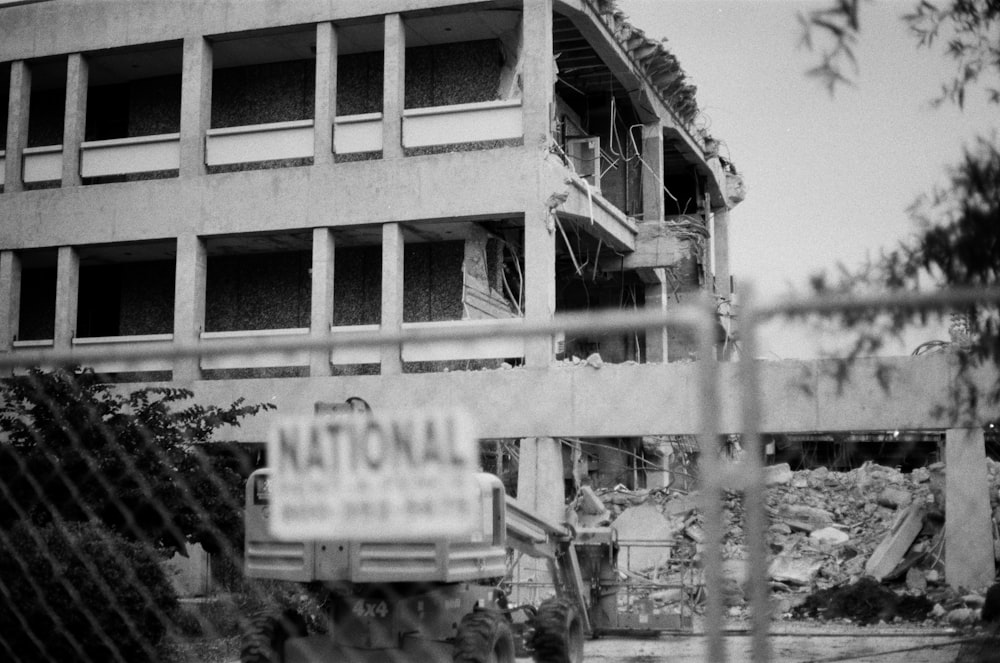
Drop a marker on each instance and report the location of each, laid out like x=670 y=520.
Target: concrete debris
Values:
x=916 y=580
x=892 y=549
x=794 y=570
x=895 y=498
x=805 y=518
x=830 y=536
x=828 y=531
x=778 y=474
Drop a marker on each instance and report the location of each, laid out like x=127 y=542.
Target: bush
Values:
x=78 y=591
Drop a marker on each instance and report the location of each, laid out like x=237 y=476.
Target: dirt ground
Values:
x=861 y=645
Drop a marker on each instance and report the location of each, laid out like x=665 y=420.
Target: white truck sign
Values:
x=357 y=476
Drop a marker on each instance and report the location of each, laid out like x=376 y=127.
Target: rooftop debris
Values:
x=865 y=545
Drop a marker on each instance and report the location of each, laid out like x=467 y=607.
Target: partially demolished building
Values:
x=183 y=173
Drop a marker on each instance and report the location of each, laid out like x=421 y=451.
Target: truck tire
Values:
x=558 y=633
x=265 y=637
x=484 y=636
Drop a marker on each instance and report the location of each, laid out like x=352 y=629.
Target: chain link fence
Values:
x=112 y=497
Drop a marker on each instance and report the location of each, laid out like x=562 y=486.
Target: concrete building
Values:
x=183 y=172
x=178 y=173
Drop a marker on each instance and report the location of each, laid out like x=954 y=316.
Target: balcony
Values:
x=469 y=349
x=353 y=134
x=462 y=123
x=275 y=141
x=42 y=164
x=257 y=359
x=128 y=156
x=425 y=351
x=156 y=342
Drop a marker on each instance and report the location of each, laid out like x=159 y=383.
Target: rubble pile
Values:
x=833 y=536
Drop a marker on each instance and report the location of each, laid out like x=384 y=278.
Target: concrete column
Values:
x=18 y=109
x=538 y=72
x=10 y=299
x=539 y=279
x=539 y=229
x=75 y=122
x=540 y=489
x=652 y=172
x=326 y=93
x=968 y=543
x=322 y=298
x=393 y=87
x=392 y=294
x=196 y=105
x=721 y=245
x=67 y=297
x=657 y=298
x=190 y=283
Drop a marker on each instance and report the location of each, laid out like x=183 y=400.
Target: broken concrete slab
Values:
x=794 y=570
x=893 y=547
x=805 y=518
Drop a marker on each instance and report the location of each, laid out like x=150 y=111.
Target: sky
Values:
x=829 y=178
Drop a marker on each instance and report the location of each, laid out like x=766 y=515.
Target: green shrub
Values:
x=81 y=592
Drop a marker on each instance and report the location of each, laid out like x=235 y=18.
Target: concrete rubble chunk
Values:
x=893 y=547
x=778 y=474
x=794 y=570
x=804 y=517
x=830 y=536
x=916 y=580
x=894 y=498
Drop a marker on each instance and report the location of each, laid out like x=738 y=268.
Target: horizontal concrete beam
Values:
x=657 y=244
x=648 y=399
x=84 y=25
x=455 y=185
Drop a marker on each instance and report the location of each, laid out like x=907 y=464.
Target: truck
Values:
x=424 y=598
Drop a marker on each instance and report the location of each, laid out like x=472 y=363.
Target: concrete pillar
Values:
x=393 y=87
x=321 y=317
x=18 y=110
x=652 y=172
x=75 y=122
x=540 y=478
x=196 y=105
x=657 y=298
x=326 y=93
x=190 y=283
x=538 y=72
x=540 y=489
x=968 y=544
x=392 y=295
x=720 y=241
x=539 y=279
x=539 y=228
x=10 y=299
x=67 y=297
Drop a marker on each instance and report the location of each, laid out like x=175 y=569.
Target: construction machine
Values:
x=421 y=599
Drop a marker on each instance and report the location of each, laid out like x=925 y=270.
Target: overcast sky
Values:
x=828 y=178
